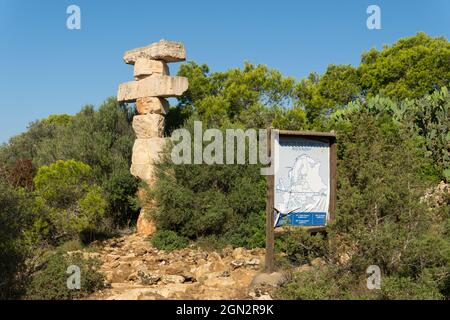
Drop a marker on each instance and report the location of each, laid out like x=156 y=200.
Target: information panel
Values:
x=302 y=180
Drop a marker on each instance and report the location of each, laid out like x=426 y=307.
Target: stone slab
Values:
x=168 y=51
x=154 y=86
x=147 y=151
x=148 y=126
x=152 y=105
x=144 y=68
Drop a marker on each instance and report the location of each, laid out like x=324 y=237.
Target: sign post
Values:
x=301 y=192
x=269 y=261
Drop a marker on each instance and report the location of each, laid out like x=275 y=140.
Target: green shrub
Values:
x=300 y=246
x=380 y=220
x=15 y=218
x=211 y=243
x=200 y=200
x=50 y=282
x=168 y=240
x=75 y=204
x=71 y=245
x=250 y=233
x=427 y=117
x=102 y=139
x=376 y=157
x=408 y=69
x=406 y=288
x=316 y=284
x=237 y=95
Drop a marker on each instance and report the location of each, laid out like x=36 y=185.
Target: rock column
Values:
x=152 y=84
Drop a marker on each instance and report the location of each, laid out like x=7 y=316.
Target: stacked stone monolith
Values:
x=152 y=84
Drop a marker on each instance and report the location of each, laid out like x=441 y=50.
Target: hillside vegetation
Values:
x=65 y=181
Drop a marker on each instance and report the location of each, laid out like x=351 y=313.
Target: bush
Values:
x=316 y=284
x=300 y=246
x=250 y=233
x=102 y=139
x=427 y=118
x=380 y=220
x=406 y=288
x=200 y=200
x=50 y=282
x=21 y=174
x=376 y=157
x=211 y=243
x=168 y=240
x=75 y=204
x=15 y=219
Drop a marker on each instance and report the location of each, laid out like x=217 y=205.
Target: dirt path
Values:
x=135 y=270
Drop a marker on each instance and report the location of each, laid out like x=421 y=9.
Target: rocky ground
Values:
x=134 y=270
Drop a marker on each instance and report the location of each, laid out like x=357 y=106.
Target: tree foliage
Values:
x=428 y=118
x=255 y=92
x=410 y=68
x=198 y=200
x=50 y=282
x=15 y=217
x=68 y=175
x=102 y=139
x=74 y=203
x=381 y=219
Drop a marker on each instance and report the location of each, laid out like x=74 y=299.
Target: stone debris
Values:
x=237 y=264
x=137 y=271
x=173 y=278
x=264 y=284
x=147 y=278
x=152 y=84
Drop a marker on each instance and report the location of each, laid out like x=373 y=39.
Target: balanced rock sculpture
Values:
x=152 y=84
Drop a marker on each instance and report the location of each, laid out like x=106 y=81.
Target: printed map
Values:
x=302 y=183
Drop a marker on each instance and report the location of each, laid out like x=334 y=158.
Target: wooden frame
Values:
x=330 y=138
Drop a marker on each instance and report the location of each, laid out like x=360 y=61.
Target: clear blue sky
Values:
x=46 y=68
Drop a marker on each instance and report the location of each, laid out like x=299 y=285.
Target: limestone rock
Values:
x=144 y=68
x=148 y=126
x=137 y=294
x=253 y=262
x=143 y=172
x=121 y=273
x=148 y=278
x=146 y=151
x=154 y=86
x=258 y=296
x=145 y=226
x=237 y=264
x=152 y=105
x=274 y=279
x=239 y=253
x=436 y=196
x=169 y=51
x=173 y=279
x=136 y=270
x=145 y=154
